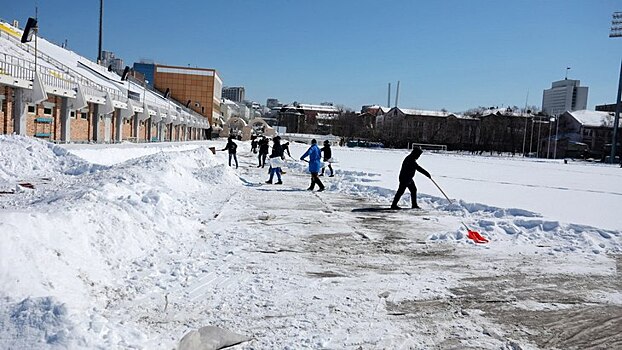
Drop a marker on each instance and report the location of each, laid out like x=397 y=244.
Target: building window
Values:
x=72 y=114
x=47 y=111
x=84 y=115
x=31 y=109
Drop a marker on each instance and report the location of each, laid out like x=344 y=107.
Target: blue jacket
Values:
x=315 y=156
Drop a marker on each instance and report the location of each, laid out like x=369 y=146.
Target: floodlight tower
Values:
x=101 y=20
x=616 y=32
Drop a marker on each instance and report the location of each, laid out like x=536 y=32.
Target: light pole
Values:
x=556 y=137
x=616 y=31
x=101 y=19
x=531 y=136
x=548 y=144
x=525 y=133
x=525 y=136
x=539 y=136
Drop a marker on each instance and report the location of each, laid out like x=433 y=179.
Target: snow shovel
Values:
x=472 y=235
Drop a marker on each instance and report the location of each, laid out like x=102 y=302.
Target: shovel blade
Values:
x=476 y=237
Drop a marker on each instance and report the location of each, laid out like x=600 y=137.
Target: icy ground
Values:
x=135 y=245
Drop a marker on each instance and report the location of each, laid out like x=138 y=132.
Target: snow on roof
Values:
x=382 y=109
x=429 y=113
x=592 y=118
x=502 y=111
x=83 y=69
x=318 y=108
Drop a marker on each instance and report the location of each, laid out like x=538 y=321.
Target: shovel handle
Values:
x=484 y=240
x=440 y=189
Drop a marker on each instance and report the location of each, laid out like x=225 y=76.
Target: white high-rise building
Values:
x=564 y=95
x=110 y=60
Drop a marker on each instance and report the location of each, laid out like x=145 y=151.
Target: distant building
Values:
x=147 y=69
x=231 y=109
x=307 y=118
x=113 y=63
x=564 y=95
x=606 y=107
x=234 y=93
x=199 y=89
x=272 y=102
x=593 y=129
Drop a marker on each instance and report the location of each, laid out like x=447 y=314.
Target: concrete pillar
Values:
x=65 y=120
x=95 y=124
x=148 y=125
x=20 y=112
x=118 y=137
x=136 y=127
x=107 y=127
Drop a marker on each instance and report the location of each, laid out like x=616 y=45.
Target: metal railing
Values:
x=22 y=69
x=90 y=87
x=68 y=79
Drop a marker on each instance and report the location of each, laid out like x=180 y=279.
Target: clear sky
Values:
x=455 y=54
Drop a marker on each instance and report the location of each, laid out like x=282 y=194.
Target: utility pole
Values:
x=397 y=93
x=525 y=133
x=616 y=32
x=101 y=19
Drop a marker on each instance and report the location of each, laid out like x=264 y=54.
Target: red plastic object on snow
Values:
x=476 y=237
x=472 y=235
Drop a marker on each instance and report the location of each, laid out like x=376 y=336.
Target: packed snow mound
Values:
x=210 y=338
x=74 y=239
x=182 y=171
x=24 y=158
x=35 y=322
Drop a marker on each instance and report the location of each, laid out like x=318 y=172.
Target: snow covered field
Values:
x=132 y=246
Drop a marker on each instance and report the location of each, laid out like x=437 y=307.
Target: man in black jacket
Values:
x=277 y=154
x=232 y=147
x=407 y=174
x=328 y=154
x=264 y=148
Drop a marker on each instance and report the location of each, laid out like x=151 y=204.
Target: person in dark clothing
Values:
x=264 y=147
x=327 y=158
x=277 y=154
x=254 y=144
x=286 y=149
x=232 y=147
x=407 y=174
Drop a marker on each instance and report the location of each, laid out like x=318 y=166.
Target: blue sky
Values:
x=446 y=54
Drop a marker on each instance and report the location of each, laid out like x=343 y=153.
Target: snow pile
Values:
x=34 y=322
x=26 y=159
x=74 y=238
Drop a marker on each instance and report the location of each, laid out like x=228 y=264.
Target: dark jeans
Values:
x=402 y=188
x=329 y=167
x=276 y=171
x=232 y=155
x=262 y=159
x=315 y=179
